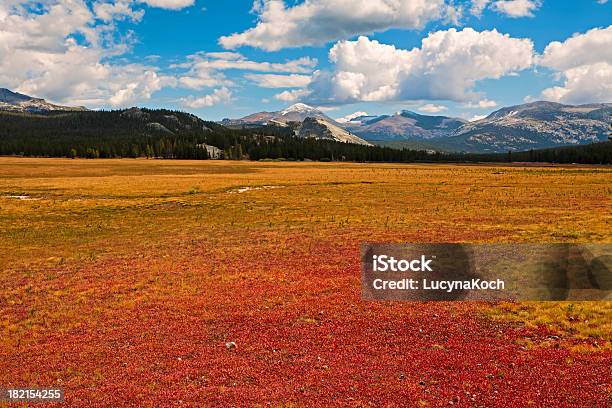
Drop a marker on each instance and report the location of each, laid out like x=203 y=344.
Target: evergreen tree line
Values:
x=178 y=135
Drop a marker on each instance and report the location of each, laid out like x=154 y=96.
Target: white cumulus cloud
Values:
x=206 y=70
x=510 y=8
x=478 y=6
x=170 y=4
x=481 y=104
x=117 y=10
x=516 y=8
x=584 y=84
x=291 y=96
x=279 y=81
x=446 y=67
x=584 y=62
x=316 y=22
x=221 y=95
x=431 y=108
x=234 y=60
x=351 y=116
x=41 y=56
x=581 y=49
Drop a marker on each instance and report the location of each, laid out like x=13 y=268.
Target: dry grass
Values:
x=578 y=319
x=130 y=275
x=81 y=211
x=82 y=204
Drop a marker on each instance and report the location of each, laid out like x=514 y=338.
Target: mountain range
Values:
x=320 y=128
x=305 y=120
x=15 y=102
x=404 y=125
x=535 y=125
x=294 y=113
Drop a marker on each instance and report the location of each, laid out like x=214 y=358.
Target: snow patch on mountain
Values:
x=299 y=108
x=294 y=113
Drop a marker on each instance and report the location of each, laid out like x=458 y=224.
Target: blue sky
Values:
x=228 y=59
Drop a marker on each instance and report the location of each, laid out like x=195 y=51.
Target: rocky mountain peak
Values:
x=10 y=97
x=299 y=108
x=16 y=102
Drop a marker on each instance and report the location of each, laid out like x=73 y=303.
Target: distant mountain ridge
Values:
x=322 y=129
x=294 y=113
x=306 y=121
x=403 y=125
x=530 y=126
x=15 y=102
x=535 y=125
x=161 y=133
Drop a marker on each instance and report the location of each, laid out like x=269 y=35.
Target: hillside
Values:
x=321 y=129
x=15 y=102
x=129 y=133
x=176 y=135
x=305 y=120
x=404 y=125
x=32 y=127
x=294 y=113
x=535 y=125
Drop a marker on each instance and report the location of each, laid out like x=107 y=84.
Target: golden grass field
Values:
x=102 y=257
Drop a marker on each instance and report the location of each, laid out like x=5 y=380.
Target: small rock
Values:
x=230 y=345
x=553 y=337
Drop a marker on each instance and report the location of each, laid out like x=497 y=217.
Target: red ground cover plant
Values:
x=156 y=283
x=303 y=336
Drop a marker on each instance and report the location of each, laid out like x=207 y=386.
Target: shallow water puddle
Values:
x=22 y=197
x=241 y=190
